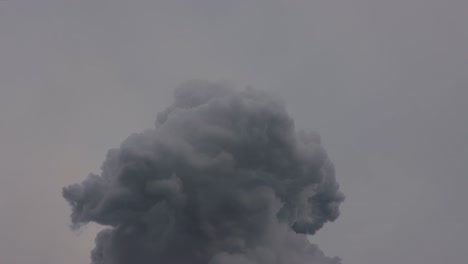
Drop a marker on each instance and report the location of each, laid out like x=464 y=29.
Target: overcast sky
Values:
x=384 y=82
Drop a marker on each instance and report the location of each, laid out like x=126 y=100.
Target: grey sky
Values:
x=384 y=82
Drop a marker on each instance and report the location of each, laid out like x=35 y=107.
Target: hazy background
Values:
x=384 y=82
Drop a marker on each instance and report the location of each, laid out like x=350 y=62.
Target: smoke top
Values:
x=223 y=178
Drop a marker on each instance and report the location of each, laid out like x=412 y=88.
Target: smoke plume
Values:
x=223 y=178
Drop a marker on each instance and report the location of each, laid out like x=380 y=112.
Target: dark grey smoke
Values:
x=223 y=178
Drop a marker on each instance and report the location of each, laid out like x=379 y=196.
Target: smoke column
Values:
x=223 y=178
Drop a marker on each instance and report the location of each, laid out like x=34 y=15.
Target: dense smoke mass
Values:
x=223 y=178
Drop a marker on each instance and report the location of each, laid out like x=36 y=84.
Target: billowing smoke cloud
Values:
x=223 y=178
